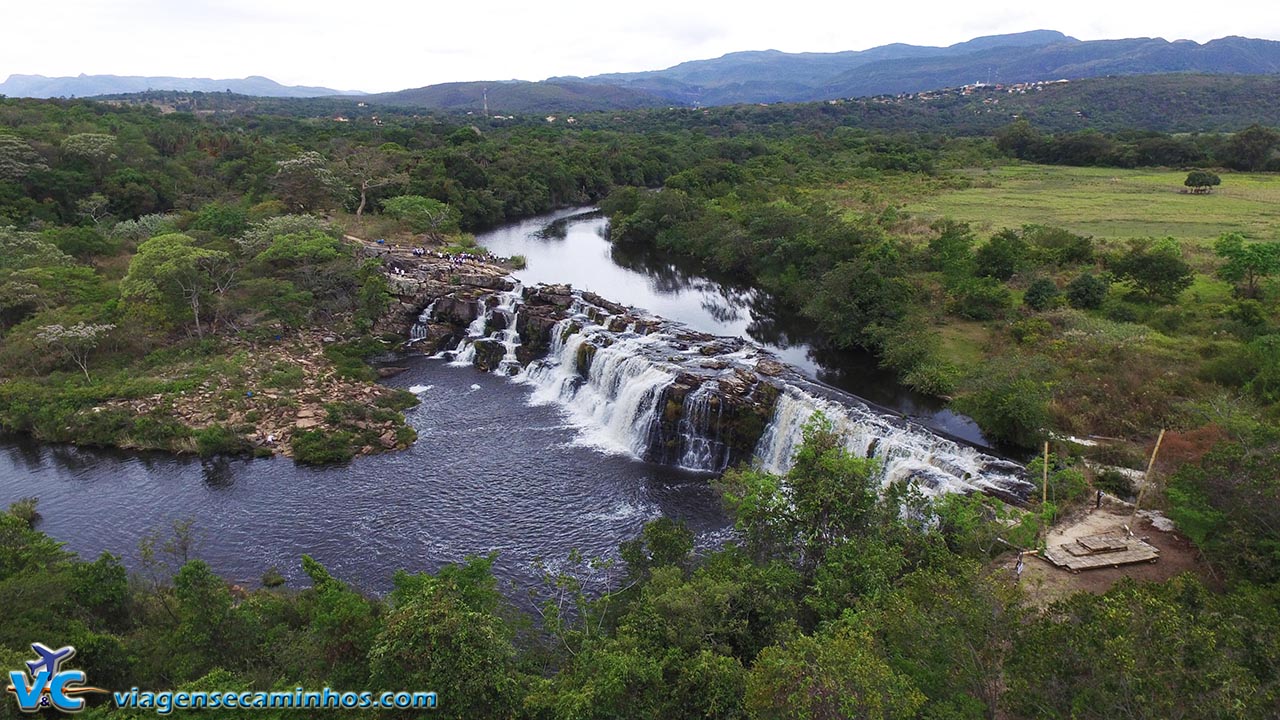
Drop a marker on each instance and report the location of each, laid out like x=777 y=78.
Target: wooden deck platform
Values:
x=1099 y=551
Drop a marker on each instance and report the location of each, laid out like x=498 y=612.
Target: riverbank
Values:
x=253 y=386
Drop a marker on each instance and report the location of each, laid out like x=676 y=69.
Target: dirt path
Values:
x=1044 y=583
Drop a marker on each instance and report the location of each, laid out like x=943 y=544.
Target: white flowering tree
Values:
x=17 y=158
x=76 y=342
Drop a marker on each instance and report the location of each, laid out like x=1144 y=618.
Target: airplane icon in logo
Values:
x=50 y=660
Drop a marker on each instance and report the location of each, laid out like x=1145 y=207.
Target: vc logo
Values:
x=49 y=684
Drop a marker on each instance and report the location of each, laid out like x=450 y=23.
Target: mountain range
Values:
x=760 y=76
x=39 y=86
x=772 y=76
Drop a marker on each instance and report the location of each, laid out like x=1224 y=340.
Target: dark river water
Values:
x=490 y=472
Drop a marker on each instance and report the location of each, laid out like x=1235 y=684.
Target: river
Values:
x=492 y=470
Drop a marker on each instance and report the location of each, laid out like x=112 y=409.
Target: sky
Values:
x=381 y=45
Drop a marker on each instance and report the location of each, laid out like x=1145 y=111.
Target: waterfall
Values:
x=419 y=330
x=465 y=353
x=509 y=308
x=700 y=430
x=615 y=401
x=905 y=451
x=659 y=392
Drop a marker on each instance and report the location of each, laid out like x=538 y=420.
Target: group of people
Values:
x=458 y=258
x=454 y=259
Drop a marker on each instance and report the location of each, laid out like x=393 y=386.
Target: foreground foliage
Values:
x=852 y=604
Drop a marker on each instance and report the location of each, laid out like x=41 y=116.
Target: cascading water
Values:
x=465 y=353
x=700 y=424
x=906 y=452
x=611 y=392
x=419 y=330
x=509 y=309
x=657 y=391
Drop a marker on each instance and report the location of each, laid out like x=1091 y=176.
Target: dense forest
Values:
x=155 y=265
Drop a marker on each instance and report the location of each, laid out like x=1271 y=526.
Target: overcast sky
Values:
x=378 y=45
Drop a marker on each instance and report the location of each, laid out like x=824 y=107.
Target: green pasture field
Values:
x=1109 y=204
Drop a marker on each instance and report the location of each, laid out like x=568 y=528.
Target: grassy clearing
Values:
x=1109 y=204
x=964 y=342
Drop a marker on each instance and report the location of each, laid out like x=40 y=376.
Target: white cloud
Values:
x=392 y=44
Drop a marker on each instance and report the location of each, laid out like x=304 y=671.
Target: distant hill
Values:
x=772 y=76
x=1070 y=60
x=39 y=86
x=520 y=97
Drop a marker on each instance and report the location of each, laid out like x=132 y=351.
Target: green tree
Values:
x=859 y=295
x=1087 y=292
x=306 y=183
x=184 y=278
x=423 y=214
x=1201 y=181
x=839 y=673
x=1247 y=263
x=1020 y=140
x=951 y=251
x=443 y=634
x=948 y=629
x=1042 y=294
x=828 y=496
x=1229 y=504
x=1002 y=256
x=1009 y=401
x=342 y=627
x=210 y=633
x=1183 y=654
x=368 y=169
x=1251 y=148
x=980 y=298
x=1157 y=270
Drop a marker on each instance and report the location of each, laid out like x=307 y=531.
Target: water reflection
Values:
x=218 y=472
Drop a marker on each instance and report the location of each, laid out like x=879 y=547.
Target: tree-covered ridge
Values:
x=839 y=601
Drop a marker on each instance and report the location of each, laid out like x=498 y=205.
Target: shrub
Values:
x=982 y=299
x=1009 y=402
x=1042 y=295
x=220 y=440
x=1002 y=256
x=1030 y=330
x=1113 y=481
x=272 y=578
x=1087 y=292
x=322 y=447
x=25 y=510
x=1157 y=270
x=1059 y=245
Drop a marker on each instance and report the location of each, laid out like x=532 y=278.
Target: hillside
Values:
x=1072 y=60
x=39 y=86
x=772 y=76
x=519 y=97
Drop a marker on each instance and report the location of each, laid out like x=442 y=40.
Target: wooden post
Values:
x=1045 y=497
x=1146 y=480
